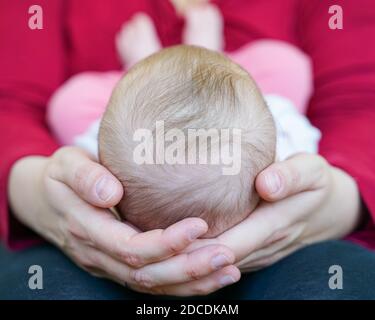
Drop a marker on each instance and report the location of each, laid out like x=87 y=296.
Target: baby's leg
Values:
x=79 y=102
x=278 y=68
x=283 y=74
x=137 y=39
x=204 y=27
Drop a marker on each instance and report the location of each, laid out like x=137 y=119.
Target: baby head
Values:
x=165 y=133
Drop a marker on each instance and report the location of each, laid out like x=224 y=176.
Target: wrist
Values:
x=24 y=189
x=346 y=200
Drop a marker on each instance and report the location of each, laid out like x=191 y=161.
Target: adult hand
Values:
x=305 y=200
x=65 y=198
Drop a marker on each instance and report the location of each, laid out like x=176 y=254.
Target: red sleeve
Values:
x=343 y=106
x=32 y=66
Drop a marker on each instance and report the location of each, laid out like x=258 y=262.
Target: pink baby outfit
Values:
x=279 y=69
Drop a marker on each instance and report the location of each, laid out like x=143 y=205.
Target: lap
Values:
x=305 y=275
x=62 y=279
x=302 y=275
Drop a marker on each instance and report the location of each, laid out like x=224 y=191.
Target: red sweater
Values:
x=79 y=36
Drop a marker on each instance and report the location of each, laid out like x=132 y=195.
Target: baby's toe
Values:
x=142 y=22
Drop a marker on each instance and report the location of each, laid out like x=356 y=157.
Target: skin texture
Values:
x=309 y=202
x=305 y=200
x=62 y=201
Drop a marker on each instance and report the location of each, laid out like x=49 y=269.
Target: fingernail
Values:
x=219 y=261
x=194 y=234
x=105 y=188
x=273 y=182
x=226 y=280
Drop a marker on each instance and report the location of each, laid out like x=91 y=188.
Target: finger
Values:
x=87 y=178
x=268 y=221
x=211 y=283
x=286 y=238
x=184 y=267
x=100 y=264
x=159 y=244
x=199 y=243
x=257 y=226
x=126 y=244
x=302 y=172
x=268 y=260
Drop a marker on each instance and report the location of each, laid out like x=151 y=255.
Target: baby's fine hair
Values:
x=187 y=87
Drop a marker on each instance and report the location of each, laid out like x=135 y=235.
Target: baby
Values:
x=186 y=87
x=189 y=87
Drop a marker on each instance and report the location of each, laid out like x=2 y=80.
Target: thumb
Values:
x=302 y=172
x=87 y=178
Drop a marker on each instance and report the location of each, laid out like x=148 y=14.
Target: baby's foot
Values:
x=181 y=6
x=204 y=27
x=137 y=39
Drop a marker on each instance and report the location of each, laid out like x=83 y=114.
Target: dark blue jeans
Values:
x=302 y=275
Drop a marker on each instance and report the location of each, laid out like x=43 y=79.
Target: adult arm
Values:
x=338 y=195
x=343 y=105
x=32 y=66
x=61 y=194
x=309 y=198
